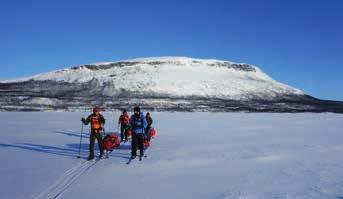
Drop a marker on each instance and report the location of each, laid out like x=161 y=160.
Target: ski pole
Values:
x=80 y=140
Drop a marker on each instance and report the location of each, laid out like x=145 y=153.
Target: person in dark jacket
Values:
x=123 y=121
x=137 y=124
x=97 y=121
x=148 y=128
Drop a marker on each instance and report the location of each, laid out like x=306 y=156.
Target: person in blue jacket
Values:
x=137 y=124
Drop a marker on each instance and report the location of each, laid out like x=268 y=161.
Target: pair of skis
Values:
x=140 y=158
x=105 y=156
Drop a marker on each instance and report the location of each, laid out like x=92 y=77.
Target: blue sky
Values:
x=299 y=43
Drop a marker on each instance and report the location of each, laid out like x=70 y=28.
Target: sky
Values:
x=298 y=43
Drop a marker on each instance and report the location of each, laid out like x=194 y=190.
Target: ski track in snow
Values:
x=56 y=190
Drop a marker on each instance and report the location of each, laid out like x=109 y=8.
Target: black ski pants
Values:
x=147 y=133
x=123 y=131
x=137 y=141
x=95 y=135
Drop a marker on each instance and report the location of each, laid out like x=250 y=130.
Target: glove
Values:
x=83 y=120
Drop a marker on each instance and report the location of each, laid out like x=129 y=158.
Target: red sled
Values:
x=152 y=133
x=129 y=133
x=146 y=143
x=111 y=141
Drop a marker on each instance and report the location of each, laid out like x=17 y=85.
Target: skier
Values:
x=137 y=125
x=148 y=128
x=97 y=121
x=124 y=124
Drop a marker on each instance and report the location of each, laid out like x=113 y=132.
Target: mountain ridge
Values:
x=157 y=83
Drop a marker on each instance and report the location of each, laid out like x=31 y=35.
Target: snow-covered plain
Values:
x=195 y=155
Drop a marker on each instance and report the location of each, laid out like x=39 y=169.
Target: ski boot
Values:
x=90 y=157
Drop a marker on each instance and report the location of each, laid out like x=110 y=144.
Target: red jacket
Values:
x=124 y=119
x=96 y=121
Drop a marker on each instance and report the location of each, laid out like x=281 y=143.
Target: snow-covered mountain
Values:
x=160 y=83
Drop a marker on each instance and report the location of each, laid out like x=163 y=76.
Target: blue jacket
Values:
x=138 y=124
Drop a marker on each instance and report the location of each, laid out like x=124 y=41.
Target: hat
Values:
x=96 y=109
x=137 y=109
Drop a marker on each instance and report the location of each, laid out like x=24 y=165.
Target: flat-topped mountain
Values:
x=159 y=83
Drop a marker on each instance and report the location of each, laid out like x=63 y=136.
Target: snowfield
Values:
x=195 y=155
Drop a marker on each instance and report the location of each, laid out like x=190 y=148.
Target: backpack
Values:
x=138 y=121
x=95 y=122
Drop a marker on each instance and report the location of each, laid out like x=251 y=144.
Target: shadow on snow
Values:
x=73 y=134
x=68 y=150
x=71 y=150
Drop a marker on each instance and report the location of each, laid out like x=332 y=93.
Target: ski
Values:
x=94 y=160
x=130 y=160
x=107 y=154
x=139 y=159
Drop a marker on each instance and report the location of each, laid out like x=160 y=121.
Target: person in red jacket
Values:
x=124 y=125
x=97 y=121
